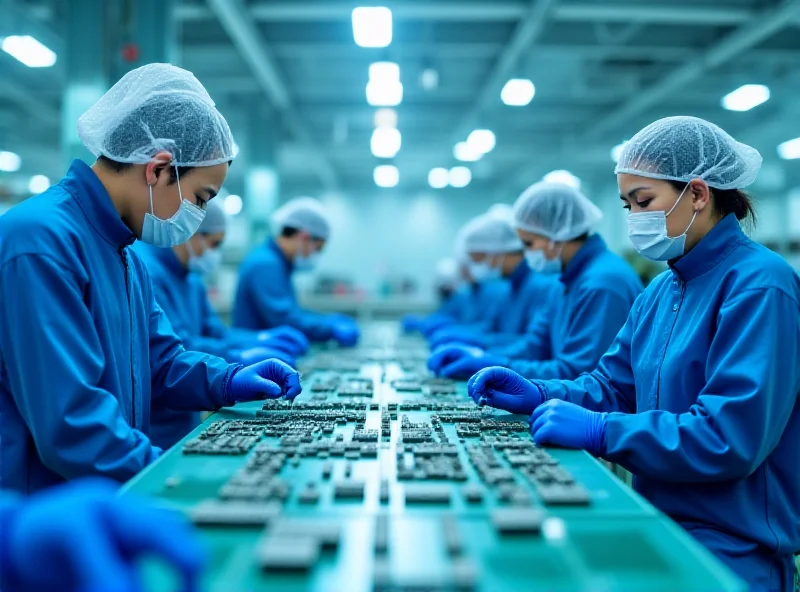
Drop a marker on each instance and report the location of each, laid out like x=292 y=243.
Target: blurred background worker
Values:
x=496 y=253
x=554 y=222
x=89 y=538
x=177 y=276
x=265 y=296
x=698 y=395
x=97 y=352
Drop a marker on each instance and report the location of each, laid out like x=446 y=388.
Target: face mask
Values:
x=306 y=262
x=483 y=272
x=176 y=229
x=648 y=233
x=207 y=263
x=541 y=264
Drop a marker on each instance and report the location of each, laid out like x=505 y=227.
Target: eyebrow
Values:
x=632 y=193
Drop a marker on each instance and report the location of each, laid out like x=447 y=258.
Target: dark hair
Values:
x=581 y=239
x=727 y=201
x=288 y=232
x=119 y=167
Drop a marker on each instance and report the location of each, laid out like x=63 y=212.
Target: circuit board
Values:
x=381 y=477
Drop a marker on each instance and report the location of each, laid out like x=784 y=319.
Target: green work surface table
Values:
x=440 y=494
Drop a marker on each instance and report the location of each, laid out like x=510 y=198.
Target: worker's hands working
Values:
x=345 y=332
x=81 y=536
x=461 y=361
x=254 y=355
x=269 y=379
x=284 y=338
x=565 y=424
x=504 y=389
x=456 y=335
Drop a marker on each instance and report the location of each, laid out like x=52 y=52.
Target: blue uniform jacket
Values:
x=84 y=348
x=265 y=296
x=475 y=303
x=599 y=290
x=183 y=298
x=526 y=301
x=702 y=384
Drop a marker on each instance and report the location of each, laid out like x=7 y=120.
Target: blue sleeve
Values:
x=610 y=387
x=740 y=413
x=192 y=341
x=277 y=305
x=184 y=380
x=53 y=374
x=535 y=344
x=452 y=306
x=591 y=327
x=213 y=326
x=9 y=507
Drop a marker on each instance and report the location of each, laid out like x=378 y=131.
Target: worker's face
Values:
x=641 y=194
x=197 y=186
x=491 y=260
x=538 y=242
x=201 y=242
x=309 y=245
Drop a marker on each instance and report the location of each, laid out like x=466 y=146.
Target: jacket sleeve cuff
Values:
x=227 y=395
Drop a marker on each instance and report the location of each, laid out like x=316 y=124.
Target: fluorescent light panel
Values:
x=482 y=141
x=459 y=176
x=384 y=94
x=29 y=51
x=385 y=142
x=438 y=178
x=372 y=26
x=790 y=150
x=10 y=162
x=386 y=175
x=464 y=153
x=518 y=92
x=746 y=97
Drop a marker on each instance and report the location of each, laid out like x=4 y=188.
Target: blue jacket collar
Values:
x=591 y=250
x=273 y=246
x=711 y=249
x=520 y=274
x=170 y=261
x=92 y=197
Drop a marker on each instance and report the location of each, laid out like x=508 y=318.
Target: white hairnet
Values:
x=155 y=108
x=501 y=210
x=686 y=148
x=559 y=212
x=215 y=220
x=447 y=273
x=303 y=213
x=489 y=233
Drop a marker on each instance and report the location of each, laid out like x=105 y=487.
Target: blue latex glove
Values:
x=269 y=379
x=461 y=361
x=435 y=322
x=571 y=426
x=412 y=322
x=504 y=389
x=346 y=333
x=291 y=337
x=449 y=335
x=82 y=537
x=257 y=354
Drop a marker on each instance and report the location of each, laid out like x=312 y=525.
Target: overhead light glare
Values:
x=459 y=176
x=384 y=94
x=746 y=97
x=518 y=92
x=429 y=79
x=384 y=72
x=385 y=142
x=232 y=205
x=386 y=176
x=482 y=141
x=385 y=118
x=372 y=26
x=463 y=152
x=10 y=162
x=38 y=184
x=438 y=178
x=790 y=150
x=29 y=51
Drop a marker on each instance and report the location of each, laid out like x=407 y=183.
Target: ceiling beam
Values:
x=247 y=39
x=525 y=34
x=498 y=11
x=742 y=39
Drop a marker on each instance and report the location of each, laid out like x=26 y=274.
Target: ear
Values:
x=701 y=194
x=156 y=166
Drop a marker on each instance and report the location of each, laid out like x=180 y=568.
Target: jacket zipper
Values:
x=124 y=260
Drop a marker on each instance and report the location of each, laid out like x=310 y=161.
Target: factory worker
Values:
x=497 y=252
x=82 y=536
x=554 y=221
x=177 y=276
x=698 y=394
x=84 y=348
x=265 y=296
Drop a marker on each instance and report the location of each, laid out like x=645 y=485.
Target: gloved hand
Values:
x=269 y=379
x=412 y=322
x=293 y=341
x=81 y=536
x=461 y=361
x=455 y=334
x=569 y=425
x=435 y=322
x=257 y=354
x=346 y=333
x=504 y=389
